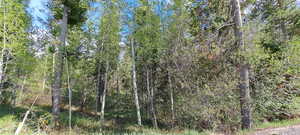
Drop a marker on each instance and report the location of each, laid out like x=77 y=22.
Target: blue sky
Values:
x=39 y=11
x=41 y=14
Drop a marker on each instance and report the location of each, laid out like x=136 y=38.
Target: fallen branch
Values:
x=25 y=117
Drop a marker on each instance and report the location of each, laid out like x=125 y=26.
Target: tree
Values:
x=58 y=67
x=149 y=49
x=177 y=26
x=134 y=83
x=72 y=14
x=107 y=50
x=15 y=54
x=169 y=63
x=280 y=17
x=272 y=47
x=244 y=68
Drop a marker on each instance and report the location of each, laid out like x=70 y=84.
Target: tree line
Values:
x=205 y=64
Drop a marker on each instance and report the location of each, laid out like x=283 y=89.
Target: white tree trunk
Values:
x=70 y=96
x=2 y=73
x=154 y=119
x=172 y=99
x=151 y=100
x=45 y=76
x=25 y=117
x=136 y=98
x=104 y=91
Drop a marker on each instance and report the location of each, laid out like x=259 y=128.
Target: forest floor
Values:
x=38 y=122
x=86 y=123
x=83 y=124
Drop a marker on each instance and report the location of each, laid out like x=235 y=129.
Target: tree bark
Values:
x=118 y=79
x=70 y=97
x=104 y=91
x=2 y=61
x=282 y=23
x=45 y=76
x=58 y=67
x=83 y=100
x=154 y=119
x=134 y=83
x=245 y=100
x=171 y=99
x=151 y=100
x=148 y=94
x=100 y=85
x=98 y=91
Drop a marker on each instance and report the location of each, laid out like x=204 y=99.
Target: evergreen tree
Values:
x=14 y=46
x=71 y=13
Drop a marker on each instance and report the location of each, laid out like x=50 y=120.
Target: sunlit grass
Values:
x=10 y=117
x=9 y=120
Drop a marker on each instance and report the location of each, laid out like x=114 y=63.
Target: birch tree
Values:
x=245 y=101
x=134 y=84
x=107 y=50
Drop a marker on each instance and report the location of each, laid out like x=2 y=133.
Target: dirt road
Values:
x=289 y=130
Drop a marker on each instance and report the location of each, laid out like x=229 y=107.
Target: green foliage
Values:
x=271 y=46
x=292 y=56
x=189 y=42
x=148 y=34
x=16 y=22
x=77 y=10
x=273 y=80
x=109 y=35
x=208 y=16
x=17 y=56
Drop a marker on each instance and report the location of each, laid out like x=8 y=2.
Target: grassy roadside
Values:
x=266 y=125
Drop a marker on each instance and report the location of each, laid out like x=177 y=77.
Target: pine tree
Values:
x=14 y=46
x=71 y=13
